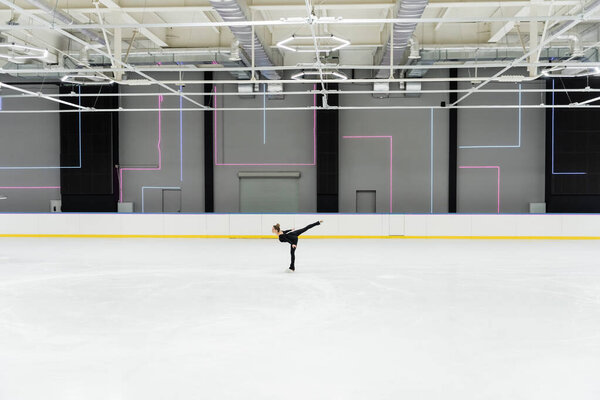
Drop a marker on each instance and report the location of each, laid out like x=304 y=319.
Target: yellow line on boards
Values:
x=100 y=236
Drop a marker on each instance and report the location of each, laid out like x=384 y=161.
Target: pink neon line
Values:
x=268 y=164
x=160 y=100
x=487 y=167
x=391 y=159
x=215 y=121
x=29 y=187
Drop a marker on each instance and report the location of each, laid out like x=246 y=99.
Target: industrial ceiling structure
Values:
x=277 y=42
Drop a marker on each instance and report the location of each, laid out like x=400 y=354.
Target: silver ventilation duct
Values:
x=64 y=18
x=402 y=32
x=230 y=10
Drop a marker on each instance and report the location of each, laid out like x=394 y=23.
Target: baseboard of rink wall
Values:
x=303 y=237
x=335 y=226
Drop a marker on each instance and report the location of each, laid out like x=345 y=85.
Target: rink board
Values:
x=556 y=226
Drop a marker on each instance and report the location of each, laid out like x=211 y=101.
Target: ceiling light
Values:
x=87 y=79
x=17 y=52
x=336 y=75
x=565 y=72
x=338 y=43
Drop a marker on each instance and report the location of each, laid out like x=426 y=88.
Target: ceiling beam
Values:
x=560 y=30
x=317 y=7
x=443 y=15
x=110 y=4
x=315 y=21
x=504 y=29
x=119 y=63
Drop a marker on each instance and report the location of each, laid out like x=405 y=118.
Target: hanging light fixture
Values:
x=87 y=79
x=330 y=75
x=17 y=52
x=337 y=44
x=563 y=72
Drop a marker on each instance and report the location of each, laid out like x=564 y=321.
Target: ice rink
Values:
x=183 y=319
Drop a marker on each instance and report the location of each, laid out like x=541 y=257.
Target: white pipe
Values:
x=576 y=43
x=311 y=108
x=42 y=21
x=560 y=30
x=312 y=92
x=188 y=68
x=316 y=21
x=29 y=92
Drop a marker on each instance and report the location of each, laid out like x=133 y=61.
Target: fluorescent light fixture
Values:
x=334 y=74
x=17 y=52
x=338 y=43
x=565 y=72
x=87 y=79
x=2 y=197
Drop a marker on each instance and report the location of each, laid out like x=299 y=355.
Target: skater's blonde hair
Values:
x=277 y=227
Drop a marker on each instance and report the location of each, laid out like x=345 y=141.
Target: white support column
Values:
x=533 y=40
x=117 y=46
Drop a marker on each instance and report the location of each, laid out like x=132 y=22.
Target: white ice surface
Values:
x=146 y=319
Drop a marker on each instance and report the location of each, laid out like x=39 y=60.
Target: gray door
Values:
x=365 y=201
x=263 y=195
x=171 y=201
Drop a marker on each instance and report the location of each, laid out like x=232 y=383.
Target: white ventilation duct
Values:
x=230 y=10
x=402 y=32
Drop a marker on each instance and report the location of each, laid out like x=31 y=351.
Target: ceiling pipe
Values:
x=401 y=32
x=230 y=11
x=576 y=48
x=65 y=19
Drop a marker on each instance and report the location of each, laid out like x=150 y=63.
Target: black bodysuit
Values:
x=291 y=237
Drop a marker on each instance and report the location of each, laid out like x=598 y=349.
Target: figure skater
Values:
x=291 y=236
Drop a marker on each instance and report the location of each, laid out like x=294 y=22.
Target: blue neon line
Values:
x=507 y=146
x=553 y=172
x=431 y=164
x=71 y=167
x=264 y=113
x=181 y=134
x=156 y=187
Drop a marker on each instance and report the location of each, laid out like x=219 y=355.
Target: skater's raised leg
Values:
x=301 y=231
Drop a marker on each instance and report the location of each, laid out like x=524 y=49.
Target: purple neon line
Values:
x=215 y=121
x=29 y=187
x=487 y=167
x=391 y=159
x=160 y=100
x=267 y=164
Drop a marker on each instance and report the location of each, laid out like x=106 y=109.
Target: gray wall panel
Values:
x=364 y=163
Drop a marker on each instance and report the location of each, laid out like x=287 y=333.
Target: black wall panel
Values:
x=209 y=173
x=94 y=186
x=572 y=148
x=452 y=143
x=328 y=154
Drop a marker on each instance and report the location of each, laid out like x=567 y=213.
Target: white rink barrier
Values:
x=586 y=226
